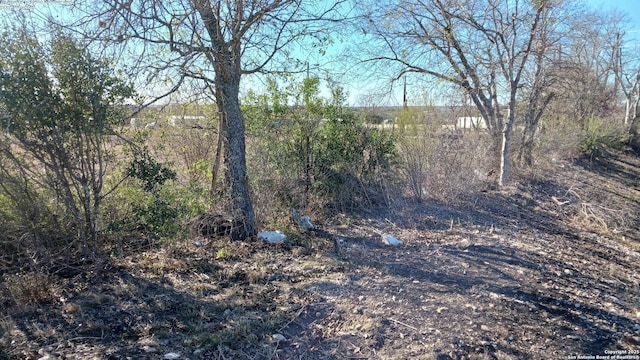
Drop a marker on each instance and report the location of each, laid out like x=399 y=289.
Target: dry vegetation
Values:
x=545 y=268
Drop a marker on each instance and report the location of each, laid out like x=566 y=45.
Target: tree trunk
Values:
x=504 y=154
x=634 y=135
x=227 y=90
x=532 y=117
x=627 y=111
x=505 y=147
x=215 y=168
x=525 y=157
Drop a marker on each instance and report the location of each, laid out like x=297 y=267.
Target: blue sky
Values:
x=629 y=7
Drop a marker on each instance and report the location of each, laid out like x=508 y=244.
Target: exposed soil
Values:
x=546 y=269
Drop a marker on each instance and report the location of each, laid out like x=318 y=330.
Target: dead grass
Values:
x=29 y=288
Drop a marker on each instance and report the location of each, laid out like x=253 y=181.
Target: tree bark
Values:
x=227 y=90
x=504 y=152
x=525 y=156
x=532 y=117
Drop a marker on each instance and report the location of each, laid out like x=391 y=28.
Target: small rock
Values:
x=306 y=223
x=390 y=240
x=568 y=272
x=149 y=349
x=273 y=237
x=484 y=328
x=197 y=352
x=278 y=337
x=303 y=221
x=198 y=243
x=171 y=356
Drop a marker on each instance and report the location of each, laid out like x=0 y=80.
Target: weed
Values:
x=29 y=288
x=222 y=253
x=255 y=276
x=613 y=270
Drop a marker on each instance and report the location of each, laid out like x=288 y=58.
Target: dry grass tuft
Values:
x=29 y=288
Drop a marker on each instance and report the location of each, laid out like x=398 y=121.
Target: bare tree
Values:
x=538 y=92
x=584 y=67
x=210 y=44
x=480 y=46
x=627 y=73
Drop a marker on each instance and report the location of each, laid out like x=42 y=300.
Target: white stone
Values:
x=306 y=223
x=149 y=349
x=568 y=272
x=390 y=240
x=303 y=221
x=272 y=237
x=171 y=356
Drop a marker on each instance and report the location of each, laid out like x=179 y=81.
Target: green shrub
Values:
x=63 y=106
x=156 y=210
x=598 y=136
x=151 y=173
x=159 y=216
x=315 y=152
x=350 y=161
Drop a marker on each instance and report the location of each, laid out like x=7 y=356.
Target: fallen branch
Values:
x=293 y=318
x=404 y=324
x=560 y=203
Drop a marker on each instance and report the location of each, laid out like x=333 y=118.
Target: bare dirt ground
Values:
x=546 y=269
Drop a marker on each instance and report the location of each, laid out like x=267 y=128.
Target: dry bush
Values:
x=445 y=165
x=193 y=151
x=594 y=209
x=29 y=288
x=560 y=138
x=557 y=139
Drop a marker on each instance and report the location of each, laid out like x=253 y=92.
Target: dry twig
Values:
x=404 y=324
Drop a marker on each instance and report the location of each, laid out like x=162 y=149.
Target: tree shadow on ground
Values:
x=515 y=285
x=124 y=314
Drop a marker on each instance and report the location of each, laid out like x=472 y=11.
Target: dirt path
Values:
x=484 y=296
x=509 y=277
x=545 y=270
